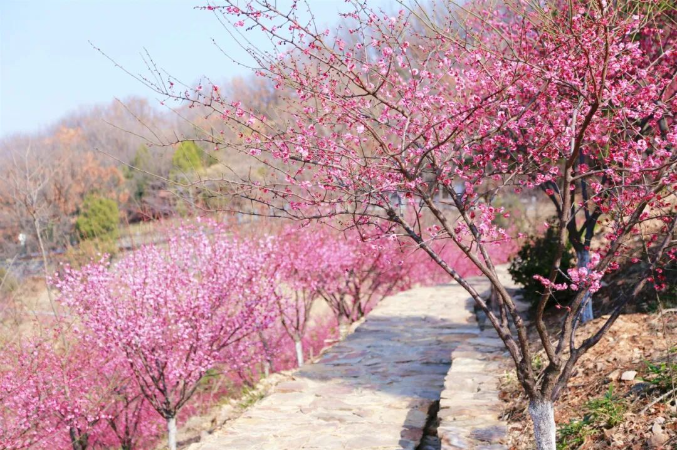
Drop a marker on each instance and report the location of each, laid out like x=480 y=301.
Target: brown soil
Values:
x=634 y=342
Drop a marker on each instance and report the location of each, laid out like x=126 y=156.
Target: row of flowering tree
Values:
x=412 y=123
x=134 y=338
x=146 y=330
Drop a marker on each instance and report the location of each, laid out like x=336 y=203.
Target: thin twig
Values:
x=658 y=399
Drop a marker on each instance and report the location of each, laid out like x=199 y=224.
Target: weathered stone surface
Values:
x=492 y=434
x=376 y=388
x=629 y=375
x=291 y=386
x=469 y=405
x=453 y=438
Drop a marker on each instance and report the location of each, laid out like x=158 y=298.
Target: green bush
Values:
x=140 y=161
x=98 y=218
x=137 y=177
x=535 y=258
x=189 y=157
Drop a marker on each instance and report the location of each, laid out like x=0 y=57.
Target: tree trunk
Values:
x=268 y=363
x=493 y=301
x=172 y=433
x=544 y=423
x=78 y=441
x=300 y=352
x=344 y=326
x=583 y=258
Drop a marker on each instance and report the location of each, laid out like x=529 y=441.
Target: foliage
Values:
x=422 y=269
x=296 y=262
x=573 y=434
x=203 y=281
x=535 y=257
x=606 y=411
x=98 y=218
x=136 y=175
x=43 y=189
x=661 y=375
x=599 y=413
x=188 y=157
x=141 y=161
x=54 y=394
x=576 y=100
x=537 y=362
x=228 y=305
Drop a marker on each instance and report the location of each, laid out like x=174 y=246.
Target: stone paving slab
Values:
x=375 y=389
x=469 y=406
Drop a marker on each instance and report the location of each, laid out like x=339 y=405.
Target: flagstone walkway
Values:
x=380 y=387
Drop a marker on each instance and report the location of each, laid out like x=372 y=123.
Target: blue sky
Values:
x=48 y=68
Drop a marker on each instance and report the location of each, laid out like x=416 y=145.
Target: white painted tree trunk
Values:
x=172 y=433
x=544 y=423
x=344 y=326
x=300 y=352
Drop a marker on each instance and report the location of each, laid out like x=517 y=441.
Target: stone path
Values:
x=380 y=387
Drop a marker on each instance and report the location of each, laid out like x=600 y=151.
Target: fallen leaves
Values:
x=620 y=360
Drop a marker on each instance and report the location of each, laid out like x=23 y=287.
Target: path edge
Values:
x=470 y=407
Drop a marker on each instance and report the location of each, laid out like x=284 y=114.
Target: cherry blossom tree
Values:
x=299 y=258
x=128 y=421
x=351 y=273
x=54 y=392
x=359 y=271
x=26 y=401
x=173 y=311
x=411 y=123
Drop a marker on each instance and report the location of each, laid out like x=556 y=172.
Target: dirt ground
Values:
x=606 y=405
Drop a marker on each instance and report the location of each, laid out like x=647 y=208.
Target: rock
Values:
x=658 y=437
x=430 y=443
x=639 y=388
x=629 y=375
x=493 y=434
x=614 y=375
x=453 y=438
x=415 y=419
x=412 y=434
x=291 y=386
